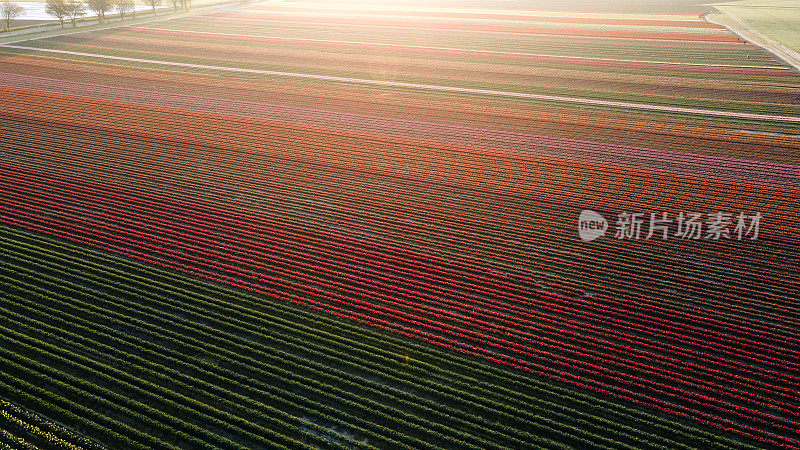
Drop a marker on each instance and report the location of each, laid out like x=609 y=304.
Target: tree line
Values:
x=74 y=10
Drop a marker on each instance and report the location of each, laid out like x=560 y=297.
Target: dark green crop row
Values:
x=136 y=357
x=24 y=429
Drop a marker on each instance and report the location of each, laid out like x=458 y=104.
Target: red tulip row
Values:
x=474 y=27
x=512 y=225
x=368 y=318
x=468 y=243
x=495 y=288
x=376 y=306
x=187 y=187
x=120 y=169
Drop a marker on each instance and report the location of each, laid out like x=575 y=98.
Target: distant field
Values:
x=779 y=19
x=22 y=22
x=617 y=6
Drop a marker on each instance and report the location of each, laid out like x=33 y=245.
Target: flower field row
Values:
x=23 y=429
x=713 y=91
x=137 y=333
x=416 y=302
x=526 y=143
x=306 y=228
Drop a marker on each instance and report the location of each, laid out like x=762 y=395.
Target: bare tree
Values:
x=153 y=4
x=100 y=7
x=124 y=6
x=75 y=10
x=57 y=9
x=175 y=4
x=8 y=12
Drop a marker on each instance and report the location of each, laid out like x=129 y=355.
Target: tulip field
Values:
x=298 y=225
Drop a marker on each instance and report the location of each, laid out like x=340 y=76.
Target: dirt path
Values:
x=750 y=34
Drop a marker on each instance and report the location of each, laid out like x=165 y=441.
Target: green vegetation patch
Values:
x=136 y=357
x=776 y=19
